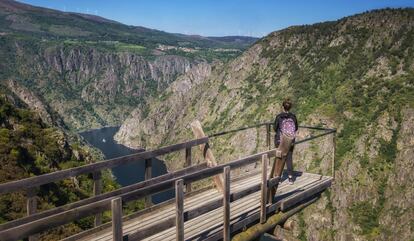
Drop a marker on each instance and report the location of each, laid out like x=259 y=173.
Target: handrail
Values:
x=94 y=167
x=62 y=215
x=314 y=137
x=71 y=172
x=264 y=124
x=101 y=197
x=238 y=129
x=67 y=216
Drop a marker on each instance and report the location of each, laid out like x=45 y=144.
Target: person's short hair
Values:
x=287 y=104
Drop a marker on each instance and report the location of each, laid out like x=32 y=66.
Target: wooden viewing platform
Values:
x=209 y=226
x=207 y=214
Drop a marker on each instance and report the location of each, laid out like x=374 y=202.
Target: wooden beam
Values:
x=245 y=220
x=31 y=203
x=188 y=164
x=273 y=182
x=263 y=198
x=239 y=224
x=179 y=210
x=226 y=204
x=90 y=168
x=101 y=197
x=97 y=190
x=37 y=226
x=208 y=154
x=192 y=213
x=116 y=206
x=147 y=176
x=64 y=217
x=291 y=201
x=31 y=207
x=189 y=214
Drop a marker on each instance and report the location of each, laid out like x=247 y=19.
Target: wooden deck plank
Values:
x=237 y=208
x=210 y=221
x=186 y=224
x=214 y=229
x=191 y=202
x=217 y=195
x=243 y=186
x=253 y=203
x=301 y=178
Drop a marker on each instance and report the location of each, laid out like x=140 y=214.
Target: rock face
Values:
x=355 y=75
x=31 y=100
x=91 y=88
x=103 y=76
x=163 y=120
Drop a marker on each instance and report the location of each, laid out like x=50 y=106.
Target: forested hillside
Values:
x=29 y=147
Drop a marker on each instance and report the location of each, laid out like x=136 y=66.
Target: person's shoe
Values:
x=291 y=180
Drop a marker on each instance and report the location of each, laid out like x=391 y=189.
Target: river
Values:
x=125 y=175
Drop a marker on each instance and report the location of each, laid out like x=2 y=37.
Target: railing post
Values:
x=148 y=175
x=333 y=154
x=116 y=206
x=179 y=210
x=268 y=136
x=31 y=206
x=263 y=198
x=226 y=204
x=97 y=189
x=188 y=164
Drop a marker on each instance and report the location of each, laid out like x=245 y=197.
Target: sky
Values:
x=220 y=17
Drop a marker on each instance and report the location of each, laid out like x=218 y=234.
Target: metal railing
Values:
x=268 y=125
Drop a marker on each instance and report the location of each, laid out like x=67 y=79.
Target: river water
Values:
x=128 y=174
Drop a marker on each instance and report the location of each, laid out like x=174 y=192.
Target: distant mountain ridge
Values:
x=38 y=21
x=93 y=71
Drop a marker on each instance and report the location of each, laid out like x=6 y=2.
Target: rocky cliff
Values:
x=89 y=87
x=93 y=71
x=356 y=75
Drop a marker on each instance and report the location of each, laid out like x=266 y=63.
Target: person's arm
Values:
x=276 y=124
x=296 y=124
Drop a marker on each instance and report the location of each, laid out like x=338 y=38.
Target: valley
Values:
x=65 y=73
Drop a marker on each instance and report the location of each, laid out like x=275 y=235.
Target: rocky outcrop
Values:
x=133 y=134
x=31 y=100
x=102 y=75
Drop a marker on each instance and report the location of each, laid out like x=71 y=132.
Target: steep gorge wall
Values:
x=91 y=87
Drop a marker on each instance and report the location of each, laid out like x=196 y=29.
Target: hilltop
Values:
x=19 y=18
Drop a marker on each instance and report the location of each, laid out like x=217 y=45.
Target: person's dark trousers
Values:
x=289 y=162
